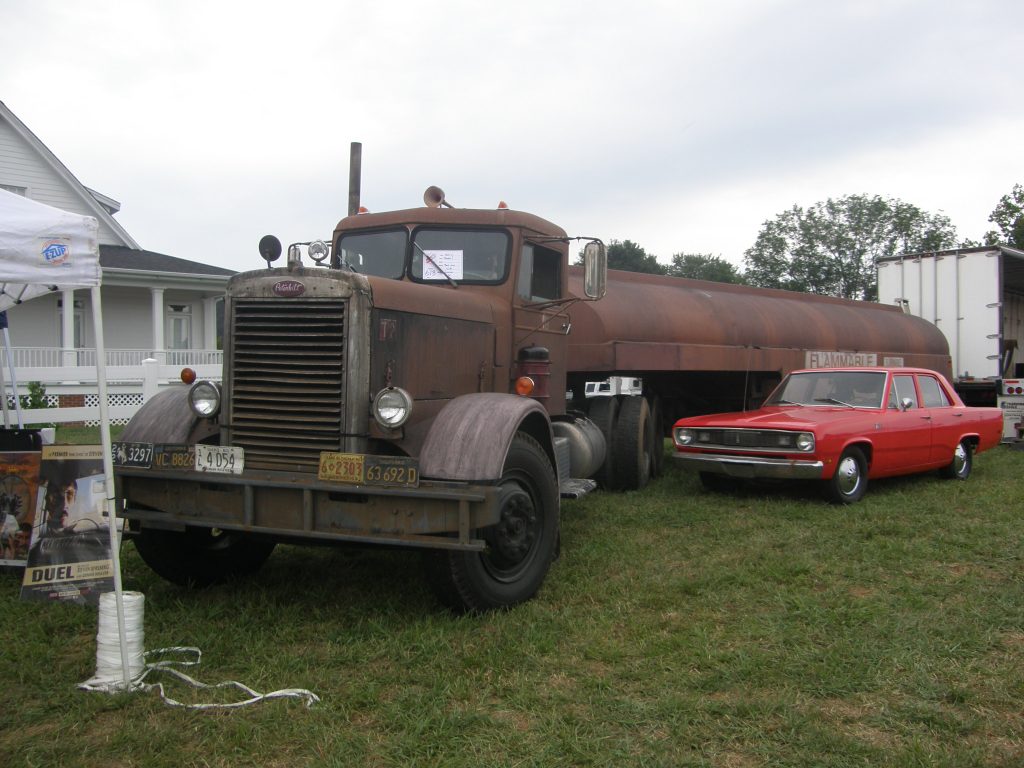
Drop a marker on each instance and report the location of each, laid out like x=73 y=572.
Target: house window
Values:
x=179 y=326
x=23 y=191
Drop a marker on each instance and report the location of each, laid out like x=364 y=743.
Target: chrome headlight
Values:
x=392 y=407
x=805 y=442
x=204 y=399
x=682 y=436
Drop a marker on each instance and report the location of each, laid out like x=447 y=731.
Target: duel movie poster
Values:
x=69 y=556
x=19 y=478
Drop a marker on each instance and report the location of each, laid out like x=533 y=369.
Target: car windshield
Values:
x=855 y=389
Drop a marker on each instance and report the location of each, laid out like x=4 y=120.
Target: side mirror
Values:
x=906 y=404
x=595 y=269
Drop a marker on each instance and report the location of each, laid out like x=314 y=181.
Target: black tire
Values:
x=603 y=411
x=520 y=548
x=199 y=557
x=631 y=444
x=849 y=483
x=959 y=467
x=657 y=438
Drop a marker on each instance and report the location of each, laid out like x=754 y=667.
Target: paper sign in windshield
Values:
x=442 y=265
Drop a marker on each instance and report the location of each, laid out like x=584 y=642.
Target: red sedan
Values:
x=842 y=426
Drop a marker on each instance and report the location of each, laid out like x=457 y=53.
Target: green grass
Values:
x=679 y=627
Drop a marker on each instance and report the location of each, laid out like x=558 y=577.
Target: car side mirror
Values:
x=595 y=269
x=906 y=404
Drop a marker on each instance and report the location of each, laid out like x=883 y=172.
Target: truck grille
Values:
x=287 y=381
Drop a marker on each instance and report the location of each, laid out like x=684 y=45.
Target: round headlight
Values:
x=392 y=407
x=204 y=397
x=805 y=441
x=683 y=436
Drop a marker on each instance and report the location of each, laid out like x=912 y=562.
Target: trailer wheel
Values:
x=199 y=557
x=850 y=481
x=631 y=444
x=603 y=411
x=959 y=468
x=520 y=548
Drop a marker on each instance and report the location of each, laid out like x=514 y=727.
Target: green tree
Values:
x=630 y=257
x=1008 y=215
x=704 y=266
x=831 y=248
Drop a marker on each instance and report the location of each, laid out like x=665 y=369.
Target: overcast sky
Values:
x=679 y=125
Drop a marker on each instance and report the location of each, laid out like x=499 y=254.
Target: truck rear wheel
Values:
x=603 y=411
x=520 y=548
x=199 y=557
x=632 y=444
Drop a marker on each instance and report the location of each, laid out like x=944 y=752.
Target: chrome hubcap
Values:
x=848 y=475
x=959 y=459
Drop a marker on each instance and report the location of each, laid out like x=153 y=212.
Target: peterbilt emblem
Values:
x=289 y=288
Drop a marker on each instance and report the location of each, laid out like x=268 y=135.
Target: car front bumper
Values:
x=752 y=466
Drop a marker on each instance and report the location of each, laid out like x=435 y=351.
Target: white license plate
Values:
x=227 y=460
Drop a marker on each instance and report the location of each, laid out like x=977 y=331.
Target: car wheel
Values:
x=959 y=468
x=850 y=480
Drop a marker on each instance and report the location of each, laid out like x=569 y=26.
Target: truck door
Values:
x=539 y=316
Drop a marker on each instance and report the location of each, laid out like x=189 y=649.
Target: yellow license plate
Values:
x=365 y=469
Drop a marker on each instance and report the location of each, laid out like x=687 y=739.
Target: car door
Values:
x=902 y=440
x=946 y=420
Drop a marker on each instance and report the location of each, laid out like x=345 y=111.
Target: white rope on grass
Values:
x=109 y=677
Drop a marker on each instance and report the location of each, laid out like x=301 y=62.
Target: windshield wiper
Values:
x=832 y=400
x=784 y=401
x=436 y=265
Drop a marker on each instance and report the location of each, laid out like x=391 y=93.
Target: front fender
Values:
x=167 y=418
x=470 y=437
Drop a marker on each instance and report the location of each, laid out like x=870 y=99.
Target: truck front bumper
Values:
x=752 y=467
x=438 y=515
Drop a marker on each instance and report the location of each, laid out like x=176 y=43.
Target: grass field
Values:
x=678 y=628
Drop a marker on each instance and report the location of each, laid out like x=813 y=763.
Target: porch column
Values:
x=67 y=322
x=157 y=297
x=210 y=322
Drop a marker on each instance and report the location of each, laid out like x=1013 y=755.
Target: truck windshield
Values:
x=459 y=255
x=374 y=253
x=857 y=389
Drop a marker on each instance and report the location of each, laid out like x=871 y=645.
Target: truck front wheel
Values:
x=199 y=557
x=520 y=548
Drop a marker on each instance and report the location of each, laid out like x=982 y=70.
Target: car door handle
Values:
x=927 y=418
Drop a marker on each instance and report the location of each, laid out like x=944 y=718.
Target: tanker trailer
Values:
x=706 y=347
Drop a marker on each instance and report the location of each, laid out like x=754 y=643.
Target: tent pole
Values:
x=108 y=471
x=14 y=378
x=3 y=399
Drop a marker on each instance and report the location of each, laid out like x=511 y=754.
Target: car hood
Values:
x=790 y=417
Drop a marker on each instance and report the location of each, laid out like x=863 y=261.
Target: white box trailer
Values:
x=975 y=296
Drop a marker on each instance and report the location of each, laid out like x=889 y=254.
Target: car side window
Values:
x=905 y=389
x=931 y=393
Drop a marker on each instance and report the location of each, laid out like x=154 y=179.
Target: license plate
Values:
x=173 y=456
x=223 y=459
x=363 y=469
x=132 y=454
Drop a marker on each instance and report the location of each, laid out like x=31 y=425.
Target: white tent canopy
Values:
x=44 y=249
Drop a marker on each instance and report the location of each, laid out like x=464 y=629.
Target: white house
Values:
x=154 y=305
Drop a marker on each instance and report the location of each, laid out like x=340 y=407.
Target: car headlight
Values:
x=392 y=407
x=683 y=436
x=204 y=399
x=805 y=442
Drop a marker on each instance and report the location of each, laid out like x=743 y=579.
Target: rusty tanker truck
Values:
x=419 y=382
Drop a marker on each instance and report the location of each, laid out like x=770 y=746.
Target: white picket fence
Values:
x=128 y=387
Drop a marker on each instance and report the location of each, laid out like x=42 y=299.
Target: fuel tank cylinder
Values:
x=657 y=323
x=587 y=447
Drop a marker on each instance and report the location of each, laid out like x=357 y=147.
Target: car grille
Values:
x=287 y=381
x=757 y=439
